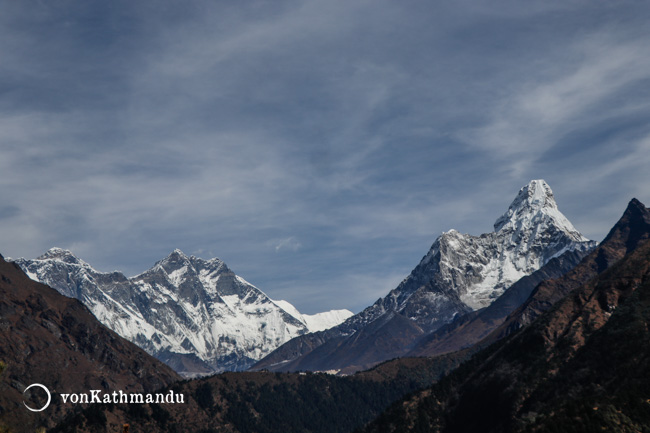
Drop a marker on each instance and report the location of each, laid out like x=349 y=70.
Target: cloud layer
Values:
x=318 y=147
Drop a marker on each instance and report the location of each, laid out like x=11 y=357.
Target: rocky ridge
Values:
x=53 y=340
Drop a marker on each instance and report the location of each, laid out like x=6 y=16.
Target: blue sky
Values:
x=317 y=147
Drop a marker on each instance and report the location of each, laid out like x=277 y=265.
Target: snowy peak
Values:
x=176 y=256
x=533 y=198
x=537 y=194
x=177 y=260
x=174 y=262
x=178 y=269
x=535 y=206
x=182 y=310
x=478 y=269
x=61 y=255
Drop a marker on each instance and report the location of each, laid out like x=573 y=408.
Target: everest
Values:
x=196 y=315
x=460 y=274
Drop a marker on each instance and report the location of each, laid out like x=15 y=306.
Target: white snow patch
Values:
x=319 y=321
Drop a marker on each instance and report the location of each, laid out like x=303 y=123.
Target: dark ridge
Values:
x=582 y=366
x=54 y=340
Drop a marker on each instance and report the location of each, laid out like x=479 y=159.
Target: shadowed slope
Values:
x=50 y=339
x=581 y=366
x=472 y=328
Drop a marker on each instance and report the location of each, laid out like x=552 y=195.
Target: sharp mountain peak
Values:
x=62 y=255
x=534 y=203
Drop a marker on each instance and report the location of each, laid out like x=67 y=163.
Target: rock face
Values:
x=582 y=365
x=54 y=340
x=470 y=329
x=533 y=295
x=196 y=315
x=632 y=229
x=461 y=273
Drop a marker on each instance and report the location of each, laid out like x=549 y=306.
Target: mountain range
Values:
x=199 y=317
x=573 y=357
x=461 y=274
x=563 y=348
x=196 y=315
x=576 y=356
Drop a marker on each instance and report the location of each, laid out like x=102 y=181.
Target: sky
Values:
x=317 y=147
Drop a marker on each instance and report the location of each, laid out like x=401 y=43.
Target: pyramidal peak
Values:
x=532 y=198
x=173 y=262
x=529 y=234
x=538 y=193
x=175 y=256
x=534 y=204
x=636 y=210
x=62 y=255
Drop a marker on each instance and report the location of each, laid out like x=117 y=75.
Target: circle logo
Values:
x=49 y=397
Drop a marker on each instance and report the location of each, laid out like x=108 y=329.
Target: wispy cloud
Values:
x=317 y=147
x=581 y=89
x=290 y=244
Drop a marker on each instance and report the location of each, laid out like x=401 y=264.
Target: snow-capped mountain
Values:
x=528 y=235
x=463 y=272
x=319 y=321
x=460 y=274
x=194 y=314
